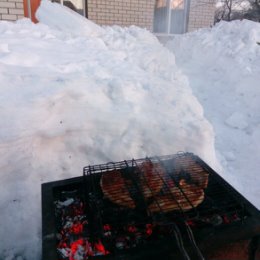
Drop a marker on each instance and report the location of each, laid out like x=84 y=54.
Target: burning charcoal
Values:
x=149 y=229
x=77 y=228
x=80 y=254
x=83 y=218
x=131 y=229
x=64 y=252
x=68 y=224
x=73 y=221
x=107 y=227
x=63 y=244
x=89 y=249
x=107 y=230
x=77 y=250
x=99 y=249
x=216 y=220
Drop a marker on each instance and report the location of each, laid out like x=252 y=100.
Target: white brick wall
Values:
x=201 y=14
x=11 y=10
x=140 y=13
x=122 y=12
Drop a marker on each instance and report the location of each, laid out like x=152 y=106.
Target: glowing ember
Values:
x=76 y=243
x=73 y=239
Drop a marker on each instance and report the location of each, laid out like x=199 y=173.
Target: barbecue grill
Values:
x=81 y=222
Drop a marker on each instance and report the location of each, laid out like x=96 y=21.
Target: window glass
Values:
x=177 y=24
x=170 y=16
x=75 y=5
x=161 y=16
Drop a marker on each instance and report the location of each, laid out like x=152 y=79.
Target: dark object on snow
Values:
x=80 y=222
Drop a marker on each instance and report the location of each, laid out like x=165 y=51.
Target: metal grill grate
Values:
x=219 y=202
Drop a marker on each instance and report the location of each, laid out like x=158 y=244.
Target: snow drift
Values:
x=63 y=18
x=73 y=96
x=223 y=67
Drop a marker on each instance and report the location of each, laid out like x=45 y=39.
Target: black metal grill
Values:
x=220 y=205
x=184 y=231
x=220 y=198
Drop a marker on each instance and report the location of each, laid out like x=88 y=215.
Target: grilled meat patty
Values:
x=159 y=189
x=182 y=198
x=114 y=188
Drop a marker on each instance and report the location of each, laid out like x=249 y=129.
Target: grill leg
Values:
x=252 y=248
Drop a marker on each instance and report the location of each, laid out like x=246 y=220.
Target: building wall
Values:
x=122 y=12
x=201 y=14
x=11 y=10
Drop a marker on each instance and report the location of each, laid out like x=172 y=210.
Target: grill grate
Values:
x=219 y=200
x=171 y=193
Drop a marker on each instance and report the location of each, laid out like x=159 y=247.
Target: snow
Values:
x=67 y=20
x=237 y=120
x=74 y=93
x=223 y=67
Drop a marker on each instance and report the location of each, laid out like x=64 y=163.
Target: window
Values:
x=171 y=16
x=76 y=5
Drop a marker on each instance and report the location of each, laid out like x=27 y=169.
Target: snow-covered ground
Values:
x=74 y=94
x=223 y=68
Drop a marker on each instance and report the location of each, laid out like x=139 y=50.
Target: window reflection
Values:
x=177 y=4
x=161 y=3
x=161 y=16
x=75 y=5
x=170 y=16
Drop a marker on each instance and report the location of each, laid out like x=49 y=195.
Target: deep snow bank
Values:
x=70 y=99
x=236 y=40
x=63 y=18
x=223 y=67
